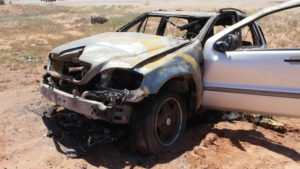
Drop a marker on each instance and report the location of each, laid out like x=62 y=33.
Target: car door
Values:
x=242 y=74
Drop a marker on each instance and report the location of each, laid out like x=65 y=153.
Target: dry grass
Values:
x=34 y=30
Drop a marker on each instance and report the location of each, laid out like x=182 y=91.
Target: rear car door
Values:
x=248 y=76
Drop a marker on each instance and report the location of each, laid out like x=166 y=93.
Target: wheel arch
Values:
x=185 y=85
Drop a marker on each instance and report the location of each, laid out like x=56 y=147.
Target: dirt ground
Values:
x=224 y=145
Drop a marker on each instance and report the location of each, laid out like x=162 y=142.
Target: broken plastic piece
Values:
x=272 y=124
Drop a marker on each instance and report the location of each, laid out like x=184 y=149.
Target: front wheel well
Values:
x=185 y=86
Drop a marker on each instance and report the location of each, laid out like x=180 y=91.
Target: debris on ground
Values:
x=270 y=123
x=265 y=121
x=40 y=108
x=230 y=116
x=30 y=59
x=74 y=134
x=98 y=19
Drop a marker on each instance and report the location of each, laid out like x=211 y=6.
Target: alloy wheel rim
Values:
x=168 y=122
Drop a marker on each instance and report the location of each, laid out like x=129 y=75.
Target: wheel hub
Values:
x=168 y=122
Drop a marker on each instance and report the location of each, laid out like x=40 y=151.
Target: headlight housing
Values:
x=122 y=79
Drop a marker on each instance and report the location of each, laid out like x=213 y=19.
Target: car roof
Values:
x=184 y=14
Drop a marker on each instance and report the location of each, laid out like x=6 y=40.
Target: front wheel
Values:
x=159 y=123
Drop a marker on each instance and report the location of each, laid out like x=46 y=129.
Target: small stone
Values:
x=49 y=134
x=73 y=154
x=81 y=166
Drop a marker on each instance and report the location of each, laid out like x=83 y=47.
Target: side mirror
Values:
x=229 y=43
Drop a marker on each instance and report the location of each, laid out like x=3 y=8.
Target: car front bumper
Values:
x=90 y=108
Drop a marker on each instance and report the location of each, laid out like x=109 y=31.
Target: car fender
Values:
x=182 y=63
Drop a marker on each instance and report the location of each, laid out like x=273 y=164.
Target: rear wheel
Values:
x=160 y=122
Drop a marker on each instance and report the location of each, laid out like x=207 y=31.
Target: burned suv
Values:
x=158 y=70
x=146 y=74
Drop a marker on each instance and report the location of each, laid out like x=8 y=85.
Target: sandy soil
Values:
x=225 y=145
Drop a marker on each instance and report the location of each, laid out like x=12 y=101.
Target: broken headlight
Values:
x=67 y=63
x=122 y=79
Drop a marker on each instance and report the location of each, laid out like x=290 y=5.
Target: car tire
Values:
x=159 y=123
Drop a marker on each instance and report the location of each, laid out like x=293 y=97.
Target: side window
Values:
x=219 y=28
x=172 y=29
x=282 y=29
x=186 y=28
x=150 y=25
x=222 y=23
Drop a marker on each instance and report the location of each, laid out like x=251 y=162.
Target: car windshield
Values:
x=182 y=27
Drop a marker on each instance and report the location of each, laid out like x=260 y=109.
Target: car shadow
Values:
x=256 y=138
x=119 y=153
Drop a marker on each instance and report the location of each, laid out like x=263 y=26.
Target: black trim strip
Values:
x=292 y=60
x=253 y=92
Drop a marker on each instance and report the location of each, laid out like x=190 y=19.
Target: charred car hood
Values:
x=120 y=49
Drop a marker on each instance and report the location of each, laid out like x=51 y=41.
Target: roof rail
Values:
x=230 y=9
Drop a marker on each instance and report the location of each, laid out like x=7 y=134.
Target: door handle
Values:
x=293 y=59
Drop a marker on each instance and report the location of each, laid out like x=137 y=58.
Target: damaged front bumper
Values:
x=90 y=108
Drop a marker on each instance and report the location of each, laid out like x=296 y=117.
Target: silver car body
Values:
x=256 y=79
